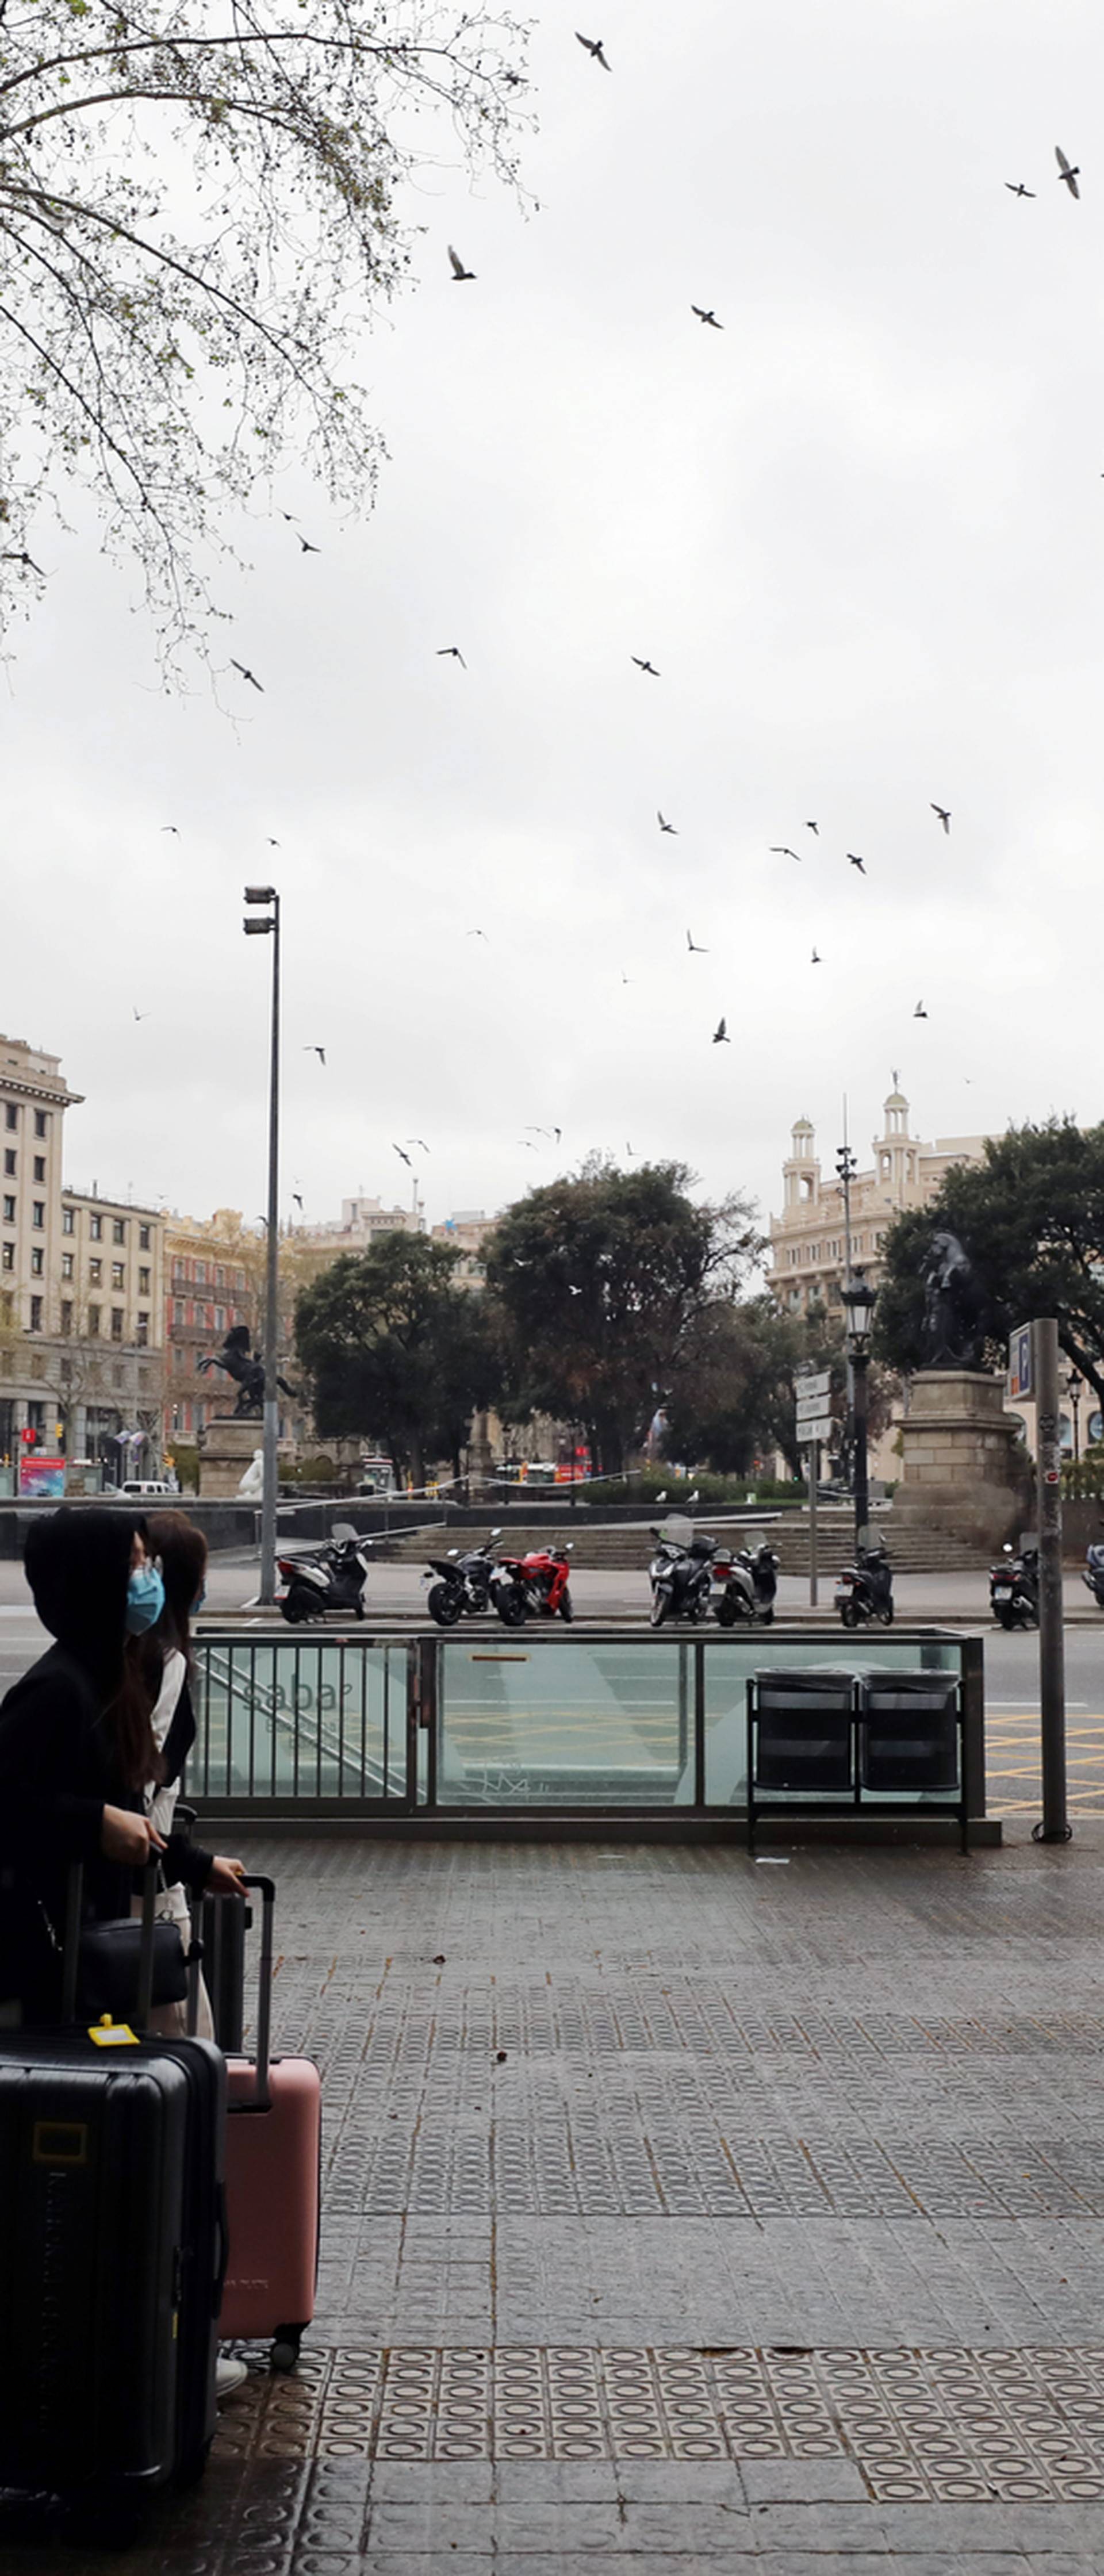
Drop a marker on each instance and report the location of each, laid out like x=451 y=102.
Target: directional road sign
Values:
x=813 y=1382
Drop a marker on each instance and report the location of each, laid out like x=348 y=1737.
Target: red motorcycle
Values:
x=537 y=1583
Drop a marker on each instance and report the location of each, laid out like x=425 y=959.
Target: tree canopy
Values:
x=395 y=1350
x=1031 y=1217
x=199 y=207
x=599 y=1280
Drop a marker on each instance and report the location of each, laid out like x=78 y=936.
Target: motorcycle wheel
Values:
x=659 y=1609
x=1004 y=1619
x=567 y=1608
x=511 y=1607
x=298 y=1608
x=727 y=1613
x=768 y=1616
x=885 y=1614
x=848 y=1614
x=443 y=1604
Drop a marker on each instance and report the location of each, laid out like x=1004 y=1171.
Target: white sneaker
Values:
x=229 y=2375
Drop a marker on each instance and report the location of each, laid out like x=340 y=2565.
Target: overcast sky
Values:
x=859 y=532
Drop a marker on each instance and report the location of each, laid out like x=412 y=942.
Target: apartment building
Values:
x=467 y=1233
x=809 y=1240
x=211 y=1276
x=109 y=1361
x=34 y=1097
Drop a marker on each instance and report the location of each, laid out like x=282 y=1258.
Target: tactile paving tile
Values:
x=949 y=2424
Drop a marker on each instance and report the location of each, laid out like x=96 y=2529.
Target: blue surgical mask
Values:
x=145 y=1600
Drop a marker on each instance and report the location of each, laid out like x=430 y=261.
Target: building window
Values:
x=39 y=1172
x=9 y=1210
x=117 y=1275
x=67 y=1265
x=143 y=1238
x=95 y=1228
x=38 y=1213
x=93 y=1322
x=143 y=1283
x=35 y=1325
x=201 y=1273
x=178 y=1310
x=9 y=1256
x=67 y=1223
x=118 y=1229
x=95 y=1271
x=41 y=1126
x=9 y=1162
x=220 y=1320
x=11 y=1114
x=220 y=1278
x=36 y=1261
x=143 y=1332
x=67 y=1315
x=116 y=1323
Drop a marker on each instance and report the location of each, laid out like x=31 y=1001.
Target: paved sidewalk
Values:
x=683 y=2212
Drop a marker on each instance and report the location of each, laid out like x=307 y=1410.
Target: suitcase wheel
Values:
x=285 y=2347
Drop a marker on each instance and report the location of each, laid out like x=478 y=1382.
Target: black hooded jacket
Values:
x=57 y=1767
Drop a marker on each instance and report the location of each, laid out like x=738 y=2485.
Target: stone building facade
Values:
x=211 y=1274
x=808 y=1264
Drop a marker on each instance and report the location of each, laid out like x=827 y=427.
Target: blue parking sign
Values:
x=1019 y=1364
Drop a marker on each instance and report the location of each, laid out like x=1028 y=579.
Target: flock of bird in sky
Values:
x=1068 y=176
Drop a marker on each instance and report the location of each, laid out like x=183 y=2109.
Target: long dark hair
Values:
x=182 y=1551
x=127 y=1720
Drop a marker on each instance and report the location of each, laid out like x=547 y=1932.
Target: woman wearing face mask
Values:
x=76 y=1750
x=180 y=1550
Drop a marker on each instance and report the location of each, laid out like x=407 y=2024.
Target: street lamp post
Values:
x=1073 y=1391
x=859 y=1300
x=258 y=927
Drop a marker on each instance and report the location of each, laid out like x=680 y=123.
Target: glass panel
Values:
x=567 y=1724
x=298 y=1718
x=728 y=1663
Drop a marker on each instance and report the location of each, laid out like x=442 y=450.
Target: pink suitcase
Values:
x=273 y=2145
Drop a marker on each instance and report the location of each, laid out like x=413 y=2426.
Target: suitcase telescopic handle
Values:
x=266 y=1888
x=70 y=1966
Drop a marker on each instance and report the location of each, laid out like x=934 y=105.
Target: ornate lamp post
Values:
x=1073 y=1391
x=859 y=1301
x=256 y=928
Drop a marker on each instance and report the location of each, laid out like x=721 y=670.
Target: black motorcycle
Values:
x=1094 y=1574
x=463 y=1586
x=330 y=1578
x=865 y=1590
x=681 y=1578
x=1014 y=1588
x=750 y=1580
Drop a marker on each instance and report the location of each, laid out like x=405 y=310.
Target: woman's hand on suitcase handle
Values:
x=226 y=1877
x=128 y=1838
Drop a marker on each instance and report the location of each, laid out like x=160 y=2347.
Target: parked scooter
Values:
x=681 y=1577
x=535 y=1583
x=1094 y=1574
x=330 y=1578
x=463 y=1586
x=750 y=1580
x=1014 y=1587
x=865 y=1590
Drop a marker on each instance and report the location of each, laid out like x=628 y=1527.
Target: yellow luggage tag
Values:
x=113 y=2034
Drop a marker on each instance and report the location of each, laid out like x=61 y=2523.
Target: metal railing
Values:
x=308 y=1727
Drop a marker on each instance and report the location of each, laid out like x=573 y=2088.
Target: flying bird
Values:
x=644 y=666
x=298 y=1201
x=28 y=561
x=320 y=1052
x=444 y=650
x=813 y=827
x=780 y=851
x=461 y=276
x=171 y=827
x=626 y=979
x=944 y=813
x=630 y=1153
x=140 y=1015
x=704 y=316
x=720 y=1035
x=919 y=1013
x=693 y=947
x=527 y=1141
x=308 y=549
x=1018 y=189
x=404 y=1158
x=273 y=845
x=477 y=934
x=594 y=47
x=815 y=958
x=251 y=676
x=1067 y=173
x=418 y=1140
x=664 y=825
x=856 y=862
x=557 y=1132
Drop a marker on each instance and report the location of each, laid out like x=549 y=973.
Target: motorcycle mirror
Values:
x=452 y=1551
x=1007 y=1548
x=343 y=1529
x=497 y=1533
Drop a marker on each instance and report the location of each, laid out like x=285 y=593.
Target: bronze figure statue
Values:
x=247 y=1371
x=954 y=1326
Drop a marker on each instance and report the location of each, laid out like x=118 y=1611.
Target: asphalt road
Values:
x=396 y=1596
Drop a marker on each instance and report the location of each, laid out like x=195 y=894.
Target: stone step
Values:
x=623 y=1547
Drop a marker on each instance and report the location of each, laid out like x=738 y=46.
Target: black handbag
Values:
x=108 y=1968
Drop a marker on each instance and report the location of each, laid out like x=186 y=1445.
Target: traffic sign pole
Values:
x=1055 y=1826
x=812 y=1469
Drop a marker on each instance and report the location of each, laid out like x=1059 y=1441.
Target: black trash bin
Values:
x=910 y=1737
x=800 y=1730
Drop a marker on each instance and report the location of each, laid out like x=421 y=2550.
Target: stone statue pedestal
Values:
x=225 y=1451
x=957 y=1467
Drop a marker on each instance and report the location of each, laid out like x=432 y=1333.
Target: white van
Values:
x=141 y=1488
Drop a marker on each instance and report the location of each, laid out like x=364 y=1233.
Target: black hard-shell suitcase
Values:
x=112 y=2258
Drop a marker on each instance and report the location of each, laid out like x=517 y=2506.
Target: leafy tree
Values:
x=1031 y=1217
x=733 y=1393
x=599 y=1280
x=198 y=205
x=396 y=1351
